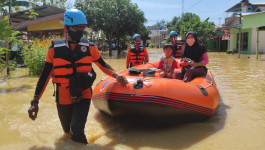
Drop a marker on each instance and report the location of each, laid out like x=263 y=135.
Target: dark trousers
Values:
x=73 y=118
x=191 y=73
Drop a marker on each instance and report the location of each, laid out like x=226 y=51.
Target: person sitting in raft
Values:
x=167 y=63
x=137 y=53
x=199 y=58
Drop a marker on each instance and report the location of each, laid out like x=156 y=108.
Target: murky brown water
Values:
x=238 y=124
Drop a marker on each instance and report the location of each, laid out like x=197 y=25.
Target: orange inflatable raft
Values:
x=149 y=95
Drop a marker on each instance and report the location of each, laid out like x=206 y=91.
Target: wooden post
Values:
x=7 y=59
x=239 y=42
x=7 y=42
x=239 y=36
x=257 y=44
x=220 y=44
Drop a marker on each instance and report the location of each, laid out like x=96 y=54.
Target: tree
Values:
x=115 y=18
x=130 y=21
x=12 y=4
x=56 y=3
x=161 y=23
x=144 y=32
x=31 y=14
x=8 y=36
x=191 y=22
x=206 y=30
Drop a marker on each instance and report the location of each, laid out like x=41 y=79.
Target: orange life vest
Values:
x=177 y=51
x=137 y=57
x=65 y=58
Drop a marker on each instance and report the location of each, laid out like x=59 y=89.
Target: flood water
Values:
x=238 y=124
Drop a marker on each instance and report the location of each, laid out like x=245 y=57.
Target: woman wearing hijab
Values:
x=194 y=57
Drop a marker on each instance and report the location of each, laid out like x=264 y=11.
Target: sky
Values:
x=156 y=10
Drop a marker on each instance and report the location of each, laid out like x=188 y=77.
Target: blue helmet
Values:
x=136 y=35
x=74 y=17
x=173 y=32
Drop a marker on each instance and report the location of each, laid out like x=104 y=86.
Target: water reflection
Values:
x=150 y=136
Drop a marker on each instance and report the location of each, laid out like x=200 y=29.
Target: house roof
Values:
x=262 y=7
x=39 y=20
x=237 y=7
x=262 y=3
x=234 y=19
x=156 y=28
x=43 y=11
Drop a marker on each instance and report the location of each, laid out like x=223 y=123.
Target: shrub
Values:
x=34 y=53
x=2 y=59
x=151 y=45
x=164 y=43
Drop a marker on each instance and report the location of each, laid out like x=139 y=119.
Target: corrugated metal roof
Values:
x=39 y=20
x=43 y=11
x=261 y=3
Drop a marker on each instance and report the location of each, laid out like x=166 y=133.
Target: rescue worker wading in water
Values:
x=177 y=48
x=69 y=61
x=137 y=53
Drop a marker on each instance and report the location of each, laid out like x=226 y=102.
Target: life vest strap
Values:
x=138 y=59
x=137 y=55
x=63 y=66
x=82 y=64
x=63 y=76
x=71 y=66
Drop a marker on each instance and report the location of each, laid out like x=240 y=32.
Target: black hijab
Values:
x=195 y=51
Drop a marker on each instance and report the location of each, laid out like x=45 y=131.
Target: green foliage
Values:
x=56 y=3
x=151 y=45
x=13 y=66
x=144 y=32
x=34 y=60
x=2 y=62
x=164 y=43
x=8 y=36
x=34 y=54
x=191 y=22
x=167 y=40
x=31 y=14
x=115 y=18
x=5 y=4
x=161 y=23
x=5 y=29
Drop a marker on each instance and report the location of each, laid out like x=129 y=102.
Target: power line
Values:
x=182 y=7
x=194 y=5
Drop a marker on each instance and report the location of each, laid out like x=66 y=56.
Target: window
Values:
x=243 y=41
x=163 y=36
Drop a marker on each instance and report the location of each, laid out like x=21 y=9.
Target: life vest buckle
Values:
x=75 y=99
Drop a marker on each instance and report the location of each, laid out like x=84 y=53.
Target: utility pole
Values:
x=182 y=7
x=239 y=35
x=7 y=41
x=257 y=44
x=219 y=20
